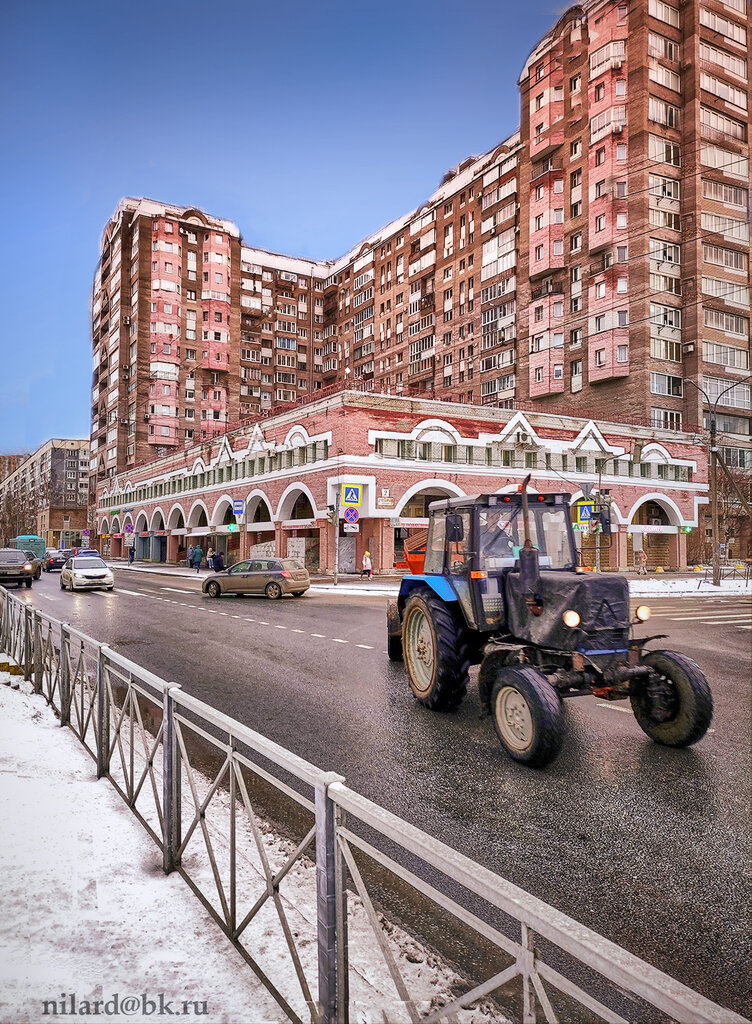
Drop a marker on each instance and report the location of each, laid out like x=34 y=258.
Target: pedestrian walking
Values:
x=210 y=557
x=642 y=563
x=131 y=554
x=197 y=557
x=219 y=562
x=189 y=556
x=367 y=566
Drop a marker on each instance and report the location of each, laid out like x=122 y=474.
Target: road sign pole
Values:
x=336 y=535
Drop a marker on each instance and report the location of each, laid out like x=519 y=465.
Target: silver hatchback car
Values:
x=271 y=577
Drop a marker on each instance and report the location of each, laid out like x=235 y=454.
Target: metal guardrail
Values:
x=144 y=734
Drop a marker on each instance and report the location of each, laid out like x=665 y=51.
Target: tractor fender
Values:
x=492 y=664
x=440 y=585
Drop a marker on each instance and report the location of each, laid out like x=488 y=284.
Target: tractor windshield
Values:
x=502 y=534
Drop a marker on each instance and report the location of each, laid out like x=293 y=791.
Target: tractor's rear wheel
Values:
x=527 y=716
x=436 y=652
x=393 y=632
x=675 y=707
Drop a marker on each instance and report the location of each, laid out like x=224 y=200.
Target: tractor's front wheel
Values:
x=675 y=706
x=435 y=650
x=527 y=716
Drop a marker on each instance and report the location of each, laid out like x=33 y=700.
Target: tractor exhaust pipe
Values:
x=528 y=558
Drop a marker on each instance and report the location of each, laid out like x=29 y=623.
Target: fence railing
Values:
x=196 y=780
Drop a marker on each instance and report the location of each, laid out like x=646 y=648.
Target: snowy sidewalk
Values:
x=89 y=915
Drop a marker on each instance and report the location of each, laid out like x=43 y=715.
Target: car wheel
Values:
x=62 y=585
x=213 y=589
x=527 y=716
x=28 y=584
x=112 y=587
x=298 y=593
x=38 y=574
x=273 y=591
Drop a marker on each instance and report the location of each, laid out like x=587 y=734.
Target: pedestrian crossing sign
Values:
x=585 y=511
x=351 y=494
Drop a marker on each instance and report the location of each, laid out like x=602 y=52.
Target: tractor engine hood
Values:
x=601 y=602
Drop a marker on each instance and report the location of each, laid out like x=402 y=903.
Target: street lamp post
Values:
x=713 y=466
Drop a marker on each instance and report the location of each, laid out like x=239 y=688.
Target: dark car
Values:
x=271 y=577
x=87 y=551
x=53 y=559
x=15 y=567
x=36 y=563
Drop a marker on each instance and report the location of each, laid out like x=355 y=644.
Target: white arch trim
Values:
x=141 y=516
x=216 y=519
x=157 y=511
x=426 y=485
x=297 y=488
x=104 y=526
x=116 y=527
x=196 y=504
x=667 y=504
x=250 y=499
x=169 y=524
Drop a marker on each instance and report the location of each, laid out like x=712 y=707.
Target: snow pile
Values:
x=687 y=587
x=89 y=911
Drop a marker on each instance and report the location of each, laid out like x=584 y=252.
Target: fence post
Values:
x=103 y=715
x=171 y=774
x=27 y=644
x=64 y=678
x=38 y=661
x=330 y=902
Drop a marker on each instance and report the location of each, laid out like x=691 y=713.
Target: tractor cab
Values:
x=476 y=543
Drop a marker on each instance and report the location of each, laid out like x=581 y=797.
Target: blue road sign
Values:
x=351 y=515
x=351 y=494
x=238 y=507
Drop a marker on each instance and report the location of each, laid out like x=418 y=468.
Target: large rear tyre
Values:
x=436 y=652
x=527 y=716
x=675 y=707
x=393 y=632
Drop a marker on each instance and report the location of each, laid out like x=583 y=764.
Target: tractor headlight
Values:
x=571 y=618
x=643 y=612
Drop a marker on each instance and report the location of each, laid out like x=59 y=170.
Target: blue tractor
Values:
x=499 y=587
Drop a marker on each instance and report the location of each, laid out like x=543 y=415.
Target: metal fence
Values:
x=193 y=776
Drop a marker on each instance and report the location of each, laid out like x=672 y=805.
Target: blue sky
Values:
x=308 y=124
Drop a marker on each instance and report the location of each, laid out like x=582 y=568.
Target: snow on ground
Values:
x=687 y=587
x=89 y=911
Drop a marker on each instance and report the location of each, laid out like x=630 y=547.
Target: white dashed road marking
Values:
x=365 y=647
x=336 y=641
x=178 y=590
x=613 y=707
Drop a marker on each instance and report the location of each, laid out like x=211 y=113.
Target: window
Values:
x=575 y=242
x=575 y=337
x=575 y=368
x=621 y=87
x=665 y=348
x=665 y=77
x=728 y=61
x=621 y=286
x=713 y=123
x=600 y=157
x=663 y=151
x=729 y=195
x=621 y=152
x=622 y=353
x=664 y=12
x=600 y=357
x=737 y=395
x=665 y=384
x=720 y=23
x=600 y=222
x=575 y=210
x=599 y=324
x=621 y=221
x=666 y=419
x=729 y=323
x=600 y=92
x=663 y=113
x=727 y=355
x=558 y=247
x=732 y=227
x=538 y=253
x=575 y=179
x=600 y=290
x=575 y=149
x=575 y=83
x=558 y=371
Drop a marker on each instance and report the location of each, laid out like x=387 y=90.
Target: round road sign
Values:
x=351 y=514
x=129 y=527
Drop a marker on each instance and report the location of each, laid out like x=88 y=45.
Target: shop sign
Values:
x=652 y=529
x=410 y=524
x=160 y=533
x=385 y=502
x=145 y=533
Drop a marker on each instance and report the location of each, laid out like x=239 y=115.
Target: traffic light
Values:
x=331 y=513
x=604 y=518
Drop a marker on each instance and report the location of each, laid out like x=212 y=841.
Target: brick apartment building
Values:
x=588 y=263
x=47 y=494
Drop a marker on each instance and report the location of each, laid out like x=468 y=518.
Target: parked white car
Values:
x=86 y=573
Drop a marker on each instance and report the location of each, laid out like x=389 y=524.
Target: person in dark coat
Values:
x=197 y=557
x=219 y=562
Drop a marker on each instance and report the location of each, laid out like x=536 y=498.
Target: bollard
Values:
x=171 y=778
x=331 y=910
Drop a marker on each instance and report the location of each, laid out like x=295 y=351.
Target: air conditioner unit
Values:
x=689 y=346
x=147 y=417
x=686 y=65
x=617 y=129
x=126 y=320
x=616 y=65
x=522 y=437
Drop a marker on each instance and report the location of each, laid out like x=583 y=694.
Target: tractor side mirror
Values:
x=455 y=530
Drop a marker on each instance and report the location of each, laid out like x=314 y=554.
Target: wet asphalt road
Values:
x=647 y=845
